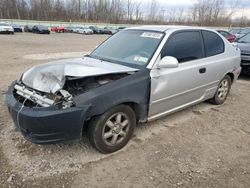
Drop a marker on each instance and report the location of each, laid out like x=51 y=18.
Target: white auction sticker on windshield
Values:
x=152 y=35
x=141 y=59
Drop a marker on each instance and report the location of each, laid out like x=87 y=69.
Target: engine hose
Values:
x=19 y=113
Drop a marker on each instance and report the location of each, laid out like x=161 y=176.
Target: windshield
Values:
x=245 y=39
x=234 y=31
x=245 y=31
x=131 y=47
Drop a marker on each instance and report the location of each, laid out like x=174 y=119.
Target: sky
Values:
x=242 y=9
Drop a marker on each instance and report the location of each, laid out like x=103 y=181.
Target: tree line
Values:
x=202 y=13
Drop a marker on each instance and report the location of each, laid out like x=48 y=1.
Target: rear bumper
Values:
x=46 y=125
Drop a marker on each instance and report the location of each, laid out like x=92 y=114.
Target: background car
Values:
x=109 y=31
x=243 y=32
x=6 y=29
x=88 y=31
x=17 y=28
x=244 y=44
x=40 y=29
x=74 y=29
x=96 y=29
x=28 y=28
x=58 y=29
x=84 y=30
x=121 y=28
x=68 y=29
x=235 y=31
x=230 y=37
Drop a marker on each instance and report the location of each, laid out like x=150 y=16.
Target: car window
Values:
x=245 y=31
x=130 y=48
x=184 y=46
x=213 y=43
x=223 y=33
x=245 y=39
x=234 y=31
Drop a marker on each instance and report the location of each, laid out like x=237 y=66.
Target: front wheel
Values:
x=222 y=91
x=112 y=130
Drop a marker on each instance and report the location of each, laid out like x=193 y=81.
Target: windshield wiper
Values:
x=95 y=57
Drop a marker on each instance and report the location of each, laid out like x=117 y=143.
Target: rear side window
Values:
x=214 y=45
x=223 y=33
x=184 y=46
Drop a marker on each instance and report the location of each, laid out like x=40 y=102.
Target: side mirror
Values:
x=168 y=62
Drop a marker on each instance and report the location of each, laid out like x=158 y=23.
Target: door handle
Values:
x=202 y=70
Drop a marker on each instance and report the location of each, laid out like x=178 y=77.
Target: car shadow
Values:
x=244 y=77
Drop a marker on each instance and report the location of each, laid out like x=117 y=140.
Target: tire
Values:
x=222 y=91
x=117 y=125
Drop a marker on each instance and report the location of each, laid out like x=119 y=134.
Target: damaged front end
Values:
x=32 y=98
x=63 y=98
x=39 y=118
x=42 y=102
x=57 y=83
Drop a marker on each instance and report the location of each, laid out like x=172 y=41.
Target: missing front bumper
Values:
x=46 y=124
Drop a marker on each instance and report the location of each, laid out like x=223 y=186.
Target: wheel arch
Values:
x=138 y=110
x=231 y=75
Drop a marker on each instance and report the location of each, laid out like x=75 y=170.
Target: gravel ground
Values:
x=202 y=146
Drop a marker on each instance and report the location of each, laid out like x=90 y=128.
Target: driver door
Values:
x=176 y=88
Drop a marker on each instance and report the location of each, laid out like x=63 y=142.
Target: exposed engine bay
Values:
x=78 y=86
x=63 y=98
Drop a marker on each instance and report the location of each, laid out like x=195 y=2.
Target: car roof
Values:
x=160 y=28
x=164 y=28
x=220 y=30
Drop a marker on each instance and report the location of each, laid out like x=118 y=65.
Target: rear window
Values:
x=223 y=33
x=214 y=45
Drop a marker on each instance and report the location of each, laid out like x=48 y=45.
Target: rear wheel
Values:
x=112 y=130
x=222 y=91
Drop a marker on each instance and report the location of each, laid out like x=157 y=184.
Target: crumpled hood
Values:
x=50 y=77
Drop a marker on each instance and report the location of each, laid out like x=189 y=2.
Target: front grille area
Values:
x=244 y=62
x=245 y=54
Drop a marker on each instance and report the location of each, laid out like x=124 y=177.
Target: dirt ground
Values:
x=202 y=146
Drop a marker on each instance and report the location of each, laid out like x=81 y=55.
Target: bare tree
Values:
x=212 y=12
x=153 y=10
x=203 y=12
x=138 y=13
x=130 y=10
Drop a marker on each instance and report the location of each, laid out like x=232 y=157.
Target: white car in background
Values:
x=6 y=29
x=84 y=30
x=74 y=30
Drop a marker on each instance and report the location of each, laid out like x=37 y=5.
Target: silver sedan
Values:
x=137 y=75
